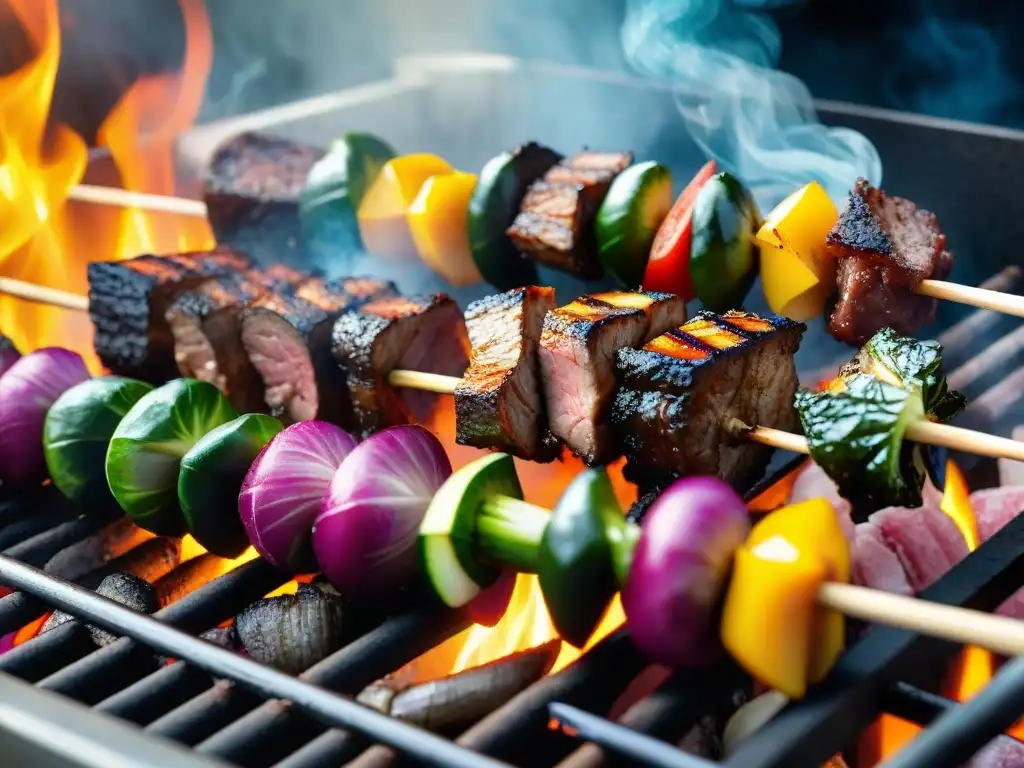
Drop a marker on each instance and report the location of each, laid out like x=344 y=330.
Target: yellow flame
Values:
x=956 y=503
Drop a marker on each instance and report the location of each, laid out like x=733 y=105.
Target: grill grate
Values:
x=228 y=707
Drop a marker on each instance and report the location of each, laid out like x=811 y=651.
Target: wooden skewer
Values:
x=1007 y=303
x=924 y=432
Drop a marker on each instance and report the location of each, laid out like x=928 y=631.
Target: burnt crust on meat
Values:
x=555 y=221
x=499 y=403
x=885 y=246
x=251 y=191
x=577 y=354
x=128 y=303
x=302 y=380
x=679 y=392
x=424 y=333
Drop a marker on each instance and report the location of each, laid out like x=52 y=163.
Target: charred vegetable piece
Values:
x=680 y=570
x=293 y=632
x=637 y=203
x=27 y=391
x=335 y=187
x=146 y=449
x=77 y=431
x=771 y=624
x=493 y=207
x=449 y=557
x=668 y=268
x=723 y=254
x=437 y=218
x=251 y=191
x=211 y=477
x=382 y=213
x=584 y=555
x=797 y=272
x=855 y=429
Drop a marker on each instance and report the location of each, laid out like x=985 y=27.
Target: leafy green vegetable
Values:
x=77 y=430
x=146 y=449
x=856 y=436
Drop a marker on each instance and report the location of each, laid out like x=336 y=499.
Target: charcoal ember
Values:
x=577 y=358
x=124 y=588
x=679 y=394
x=128 y=303
x=95 y=551
x=418 y=333
x=292 y=632
x=251 y=190
x=499 y=403
x=150 y=560
x=884 y=246
x=224 y=637
x=188 y=577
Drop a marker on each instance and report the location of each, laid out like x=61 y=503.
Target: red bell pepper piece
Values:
x=668 y=268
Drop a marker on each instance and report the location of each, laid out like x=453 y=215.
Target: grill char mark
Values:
x=251 y=191
x=555 y=222
x=577 y=354
x=499 y=403
x=417 y=333
x=885 y=246
x=128 y=303
x=287 y=338
x=678 y=392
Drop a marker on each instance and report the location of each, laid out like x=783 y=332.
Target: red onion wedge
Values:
x=680 y=568
x=284 y=490
x=27 y=390
x=365 y=535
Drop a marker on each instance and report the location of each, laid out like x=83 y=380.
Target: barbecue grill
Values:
x=202 y=705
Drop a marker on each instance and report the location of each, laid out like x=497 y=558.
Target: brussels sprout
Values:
x=211 y=477
x=77 y=430
x=146 y=450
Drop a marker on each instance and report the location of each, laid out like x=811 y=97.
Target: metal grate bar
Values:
x=809 y=732
x=639 y=748
x=674 y=708
x=41 y=547
x=145 y=700
x=275 y=729
x=963 y=730
x=265 y=681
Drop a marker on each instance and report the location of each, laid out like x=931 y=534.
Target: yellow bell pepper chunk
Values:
x=796 y=271
x=382 y=213
x=437 y=218
x=771 y=623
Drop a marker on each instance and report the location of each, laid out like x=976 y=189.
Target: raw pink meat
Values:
x=926 y=542
x=1001 y=752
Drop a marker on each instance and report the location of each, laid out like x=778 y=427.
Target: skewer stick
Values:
x=1007 y=303
x=925 y=432
x=999 y=634
x=122 y=198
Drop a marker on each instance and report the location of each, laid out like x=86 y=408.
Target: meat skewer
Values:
x=924 y=432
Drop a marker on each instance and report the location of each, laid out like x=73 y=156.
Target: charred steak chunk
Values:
x=884 y=246
x=678 y=393
x=499 y=403
x=577 y=357
x=251 y=192
x=556 y=217
x=426 y=333
x=287 y=339
x=128 y=302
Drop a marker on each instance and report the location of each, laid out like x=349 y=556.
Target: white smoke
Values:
x=753 y=119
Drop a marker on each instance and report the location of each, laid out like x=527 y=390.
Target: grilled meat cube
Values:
x=128 y=302
x=678 y=393
x=327 y=294
x=425 y=333
x=885 y=246
x=205 y=323
x=499 y=403
x=577 y=357
x=555 y=221
x=287 y=338
x=252 y=192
